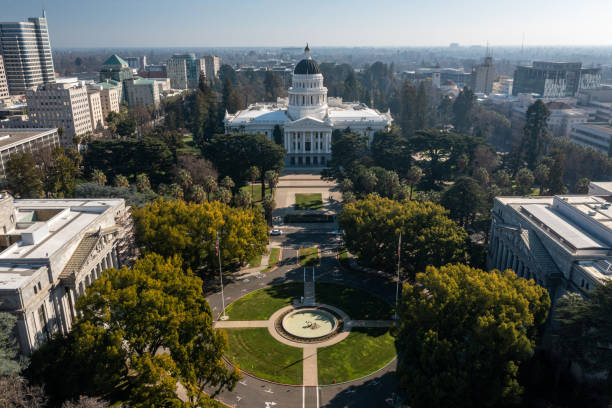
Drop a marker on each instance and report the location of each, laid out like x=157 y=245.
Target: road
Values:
x=252 y=392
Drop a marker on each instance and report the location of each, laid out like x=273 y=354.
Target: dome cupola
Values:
x=307 y=66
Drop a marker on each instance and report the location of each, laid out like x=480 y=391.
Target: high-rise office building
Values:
x=555 y=79
x=4 y=92
x=482 y=77
x=26 y=49
x=184 y=71
x=213 y=63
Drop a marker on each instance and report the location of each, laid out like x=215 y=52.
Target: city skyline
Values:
x=270 y=23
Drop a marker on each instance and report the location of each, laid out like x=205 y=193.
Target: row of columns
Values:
x=504 y=258
x=317 y=145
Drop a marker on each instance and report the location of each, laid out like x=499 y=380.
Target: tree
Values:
x=198 y=167
x=147 y=328
x=98 y=176
x=189 y=229
x=142 y=183
x=16 y=392
x=198 y=194
x=176 y=191
x=86 y=402
x=23 y=176
x=462 y=110
x=9 y=350
x=184 y=180
x=524 y=180
x=230 y=98
x=429 y=237
x=346 y=148
x=277 y=135
x=463 y=334
x=465 y=199
x=391 y=151
x=535 y=134
x=413 y=177
x=272 y=85
x=271 y=178
x=253 y=175
x=210 y=186
x=243 y=199
x=234 y=154
x=228 y=183
x=407 y=117
x=268 y=205
x=224 y=195
x=556 y=184
x=121 y=181
x=585 y=328
x=60 y=169
x=541 y=174
x=482 y=176
x=582 y=186
x=126 y=127
x=421 y=114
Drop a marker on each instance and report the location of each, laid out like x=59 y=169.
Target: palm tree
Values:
x=243 y=199
x=415 y=174
x=142 y=183
x=98 y=176
x=210 y=186
x=268 y=204
x=224 y=195
x=198 y=194
x=272 y=178
x=121 y=181
x=184 y=179
x=253 y=175
x=228 y=183
x=176 y=191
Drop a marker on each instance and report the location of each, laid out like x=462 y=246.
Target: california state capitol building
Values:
x=307 y=117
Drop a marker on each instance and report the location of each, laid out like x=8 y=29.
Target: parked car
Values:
x=276 y=232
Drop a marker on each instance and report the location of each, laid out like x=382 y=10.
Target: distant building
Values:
x=431 y=75
x=61 y=105
x=4 y=91
x=482 y=77
x=143 y=62
x=307 y=117
x=115 y=68
x=133 y=62
x=142 y=92
x=24 y=141
x=503 y=85
x=153 y=71
x=564 y=243
x=458 y=76
x=595 y=135
x=27 y=54
x=212 y=63
x=600 y=188
x=184 y=71
x=562 y=118
x=110 y=96
x=555 y=79
x=95 y=109
x=50 y=252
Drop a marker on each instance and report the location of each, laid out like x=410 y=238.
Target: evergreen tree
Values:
x=421 y=116
x=556 y=184
x=462 y=111
x=23 y=176
x=272 y=86
x=9 y=350
x=535 y=134
x=230 y=98
x=407 y=117
x=277 y=135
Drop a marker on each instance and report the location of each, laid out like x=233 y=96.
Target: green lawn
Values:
x=364 y=351
x=359 y=305
x=255 y=190
x=190 y=146
x=255 y=351
x=309 y=256
x=255 y=261
x=262 y=303
x=343 y=257
x=312 y=201
x=273 y=260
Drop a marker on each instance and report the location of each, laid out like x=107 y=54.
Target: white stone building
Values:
x=4 y=92
x=595 y=135
x=212 y=63
x=50 y=252
x=95 y=109
x=60 y=105
x=307 y=117
x=13 y=141
x=563 y=242
x=142 y=92
x=110 y=96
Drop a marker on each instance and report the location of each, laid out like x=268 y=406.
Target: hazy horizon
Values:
x=342 y=23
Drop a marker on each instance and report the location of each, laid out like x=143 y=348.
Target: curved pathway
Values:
x=369 y=391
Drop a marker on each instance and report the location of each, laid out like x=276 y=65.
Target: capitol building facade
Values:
x=307 y=117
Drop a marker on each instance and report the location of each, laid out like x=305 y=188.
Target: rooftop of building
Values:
x=43 y=227
x=10 y=136
x=108 y=84
x=603 y=127
x=115 y=60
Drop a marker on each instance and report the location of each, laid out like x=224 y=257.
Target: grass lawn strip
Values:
x=255 y=351
x=313 y=201
x=255 y=190
x=262 y=303
x=273 y=259
x=255 y=261
x=364 y=351
x=359 y=305
x=309 y=256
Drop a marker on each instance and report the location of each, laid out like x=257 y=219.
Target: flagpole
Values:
x=399 y=255
x=224 y=317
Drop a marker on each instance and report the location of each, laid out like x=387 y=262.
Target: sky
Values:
x=267 y=23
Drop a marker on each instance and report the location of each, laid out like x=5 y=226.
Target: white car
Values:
x=276 y=232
